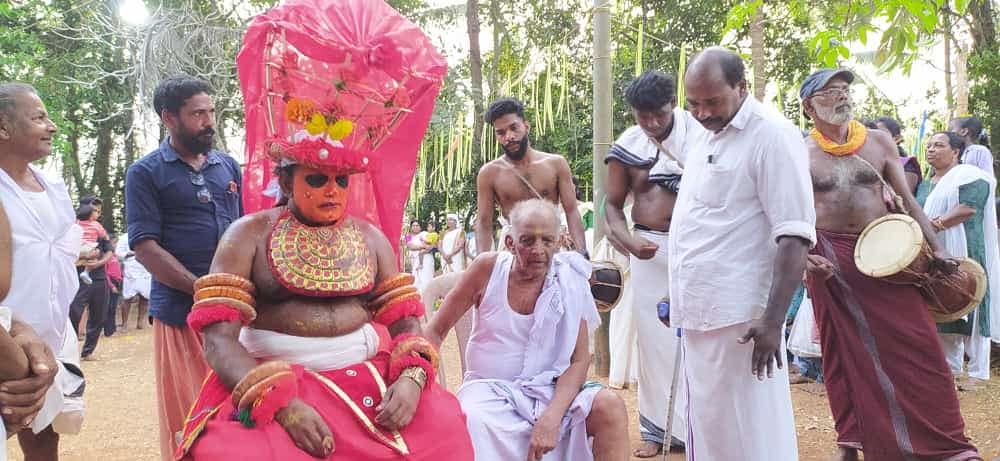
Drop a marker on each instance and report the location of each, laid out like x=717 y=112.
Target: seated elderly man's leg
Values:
x=43 y=446
x=608 y=424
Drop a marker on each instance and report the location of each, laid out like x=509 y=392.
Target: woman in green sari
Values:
x=959 y=201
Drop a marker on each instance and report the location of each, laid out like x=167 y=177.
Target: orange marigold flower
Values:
x=299 y=110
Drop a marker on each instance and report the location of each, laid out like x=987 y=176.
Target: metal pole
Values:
x=602 y=142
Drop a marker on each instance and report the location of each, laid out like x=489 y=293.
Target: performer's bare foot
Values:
x=647 y=449
x=846 y=454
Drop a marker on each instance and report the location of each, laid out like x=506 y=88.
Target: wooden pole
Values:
x=602 y=142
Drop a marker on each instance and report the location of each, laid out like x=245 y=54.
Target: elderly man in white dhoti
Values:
x=525 y=394
x=452 y=246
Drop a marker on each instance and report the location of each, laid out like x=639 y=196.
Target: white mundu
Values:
x=743 y=188
x=514 y=359
x=449 y=241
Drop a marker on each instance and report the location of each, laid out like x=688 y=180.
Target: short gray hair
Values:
x=531 y=207
x=8 y=96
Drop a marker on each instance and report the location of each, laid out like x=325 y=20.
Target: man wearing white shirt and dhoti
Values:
x=644 y=163
x=742 y=225
x=46 y=243
x=525 y=395
x=452 y=246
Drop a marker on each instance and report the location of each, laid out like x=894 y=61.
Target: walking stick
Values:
x=663 y=312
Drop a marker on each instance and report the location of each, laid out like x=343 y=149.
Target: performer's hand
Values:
x=21 y=399
x=398 y=405
x=819 y=266
x=944 y=263
x=306 y=428
x=642 y=248
x=543 y=437
x=766 y=346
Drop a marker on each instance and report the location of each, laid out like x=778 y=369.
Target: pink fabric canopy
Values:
x=353 y=73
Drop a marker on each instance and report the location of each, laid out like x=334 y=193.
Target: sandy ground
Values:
x=121 y=417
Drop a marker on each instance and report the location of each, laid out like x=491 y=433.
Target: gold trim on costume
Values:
x=398 y=443
x=320 y=261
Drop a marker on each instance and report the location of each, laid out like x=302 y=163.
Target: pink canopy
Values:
x=353 y=73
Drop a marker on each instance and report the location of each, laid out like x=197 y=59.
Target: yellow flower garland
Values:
x=856 y=135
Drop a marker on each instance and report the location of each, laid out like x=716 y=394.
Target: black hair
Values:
x=91 y=200
x=8 y=96
x=732 y=68
x=869 y=123
x=651 y=91
x=976 y=130
x=890 y=124
x=955 y=141
x=83 y=212
x=504 y=106
x=172 y=93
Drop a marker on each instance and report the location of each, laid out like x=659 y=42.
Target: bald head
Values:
x=716 y=63
x=535 y=216
x=715 y=87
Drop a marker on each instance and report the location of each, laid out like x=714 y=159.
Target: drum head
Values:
x=606 y=285
x=888 y=245
x=972 y=269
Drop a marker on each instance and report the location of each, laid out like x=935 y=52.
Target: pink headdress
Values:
x=342 y=86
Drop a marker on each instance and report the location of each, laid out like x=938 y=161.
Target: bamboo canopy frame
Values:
x=602 y=143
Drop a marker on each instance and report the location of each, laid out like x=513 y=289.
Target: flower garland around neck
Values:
x=856 y=136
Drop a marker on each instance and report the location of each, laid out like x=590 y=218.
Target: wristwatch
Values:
x=417 y=374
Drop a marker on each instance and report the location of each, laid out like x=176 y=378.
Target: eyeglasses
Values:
x=203 y=194
x=835 y=92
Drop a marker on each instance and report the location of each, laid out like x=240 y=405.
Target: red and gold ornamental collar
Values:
x=321 y=261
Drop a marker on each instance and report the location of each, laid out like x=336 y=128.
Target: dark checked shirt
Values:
x=162 y=203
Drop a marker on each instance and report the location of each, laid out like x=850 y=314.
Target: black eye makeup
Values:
x=342 y=181
x=317 y=180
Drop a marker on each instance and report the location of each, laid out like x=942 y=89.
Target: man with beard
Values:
x=642 y=162
x=179 y=199
x=522 y=173
x=741 y=228
x=889 y=386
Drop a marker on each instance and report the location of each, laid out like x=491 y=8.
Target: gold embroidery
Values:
x=398 y=443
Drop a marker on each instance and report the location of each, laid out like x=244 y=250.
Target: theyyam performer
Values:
x=309 y=327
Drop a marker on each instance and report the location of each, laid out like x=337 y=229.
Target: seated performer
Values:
x=524 y=392
x=308 y=326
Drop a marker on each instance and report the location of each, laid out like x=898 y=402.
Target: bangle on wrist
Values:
x=417 y=374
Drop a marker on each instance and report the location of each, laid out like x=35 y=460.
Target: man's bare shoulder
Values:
x=491 y=167
x=482 y=267
x=883 y=143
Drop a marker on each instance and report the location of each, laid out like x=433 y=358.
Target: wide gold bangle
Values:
x=417 y=374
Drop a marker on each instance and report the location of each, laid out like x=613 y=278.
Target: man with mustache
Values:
x=741 y=227
x=179 y=199
x=522 y=173
x=889 y=386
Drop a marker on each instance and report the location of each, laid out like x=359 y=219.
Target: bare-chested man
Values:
x=890 y=389
x=522 y=173
x=305 y=288
x=637 y=165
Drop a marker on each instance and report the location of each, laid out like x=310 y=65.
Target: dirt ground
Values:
x=121 y=422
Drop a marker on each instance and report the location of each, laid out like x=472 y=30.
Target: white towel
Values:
x=315 y=354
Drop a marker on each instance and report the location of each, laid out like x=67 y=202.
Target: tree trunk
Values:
x=496 y=25
x=602 y=142
x=948 y=94
x=100 y=182
x=757 y=53
x=961 y=81
x=984 y=28
x=476 y=70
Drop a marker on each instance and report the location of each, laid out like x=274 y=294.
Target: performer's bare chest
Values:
x=843 y=174
x=510 y=189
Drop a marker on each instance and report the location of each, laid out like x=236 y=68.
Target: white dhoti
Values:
x=63 y=408
x=136 y=280
x=977 y=347
x=449 y=241
x=622 y=328
x=313 y=353
x=657 y=344
x=423 y=269
x=731 y=414
x=500 y=416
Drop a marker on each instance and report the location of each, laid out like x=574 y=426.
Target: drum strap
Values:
x=892 y=196
x=521 y=177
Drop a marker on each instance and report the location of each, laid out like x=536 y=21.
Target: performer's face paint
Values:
x=193 y=126
x=317 y=197
x=655 y=123
x=511 y=132
x=832 y=104
x=712 y=100
x=534 y=241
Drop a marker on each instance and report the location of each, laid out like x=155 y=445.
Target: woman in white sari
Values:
x=421 y=259
x=960 y=203
x=452 y=246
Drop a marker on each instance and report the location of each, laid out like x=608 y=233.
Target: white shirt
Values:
x=979 y=156
x=743 y=187
x=46 y=245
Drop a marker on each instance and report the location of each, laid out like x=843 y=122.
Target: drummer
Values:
x=959 y=200
x=884 y=368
